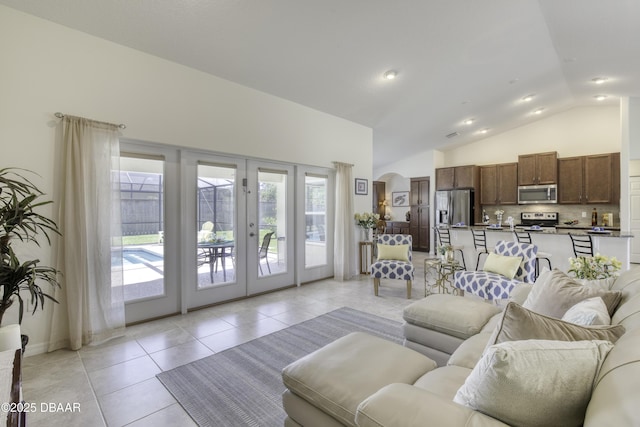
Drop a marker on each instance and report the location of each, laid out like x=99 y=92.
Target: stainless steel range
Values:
x=541 y=219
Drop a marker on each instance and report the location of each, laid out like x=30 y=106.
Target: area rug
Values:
x=242 y=386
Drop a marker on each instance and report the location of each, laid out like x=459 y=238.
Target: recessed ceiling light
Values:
x=528 y=97
x=468 y=121
x=600 y=97
x=483 y=131
x=390 y=75
x=599 y=80
x=538 y=111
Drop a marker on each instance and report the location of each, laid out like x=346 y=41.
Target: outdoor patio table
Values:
x=215 y=251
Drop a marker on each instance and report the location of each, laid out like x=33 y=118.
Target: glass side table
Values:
x=438 y=276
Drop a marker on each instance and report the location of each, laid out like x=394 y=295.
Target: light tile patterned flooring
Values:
x=115 y=383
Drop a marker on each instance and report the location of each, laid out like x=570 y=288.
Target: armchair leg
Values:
x=376 y=285
x=408 y=289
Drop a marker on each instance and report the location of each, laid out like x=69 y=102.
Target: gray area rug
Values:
x=242 y=386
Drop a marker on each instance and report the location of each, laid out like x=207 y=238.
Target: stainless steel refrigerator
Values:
x=454 y=207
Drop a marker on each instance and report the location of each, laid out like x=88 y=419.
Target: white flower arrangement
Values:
x=366 y=220
x=499 y=212
x=596 y=267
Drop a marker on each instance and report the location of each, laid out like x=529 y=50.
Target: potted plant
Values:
x=19 y=221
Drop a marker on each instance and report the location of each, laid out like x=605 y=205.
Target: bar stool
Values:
x=480 y=244
x=444 y=237
x=525 y=237
x=582 y=245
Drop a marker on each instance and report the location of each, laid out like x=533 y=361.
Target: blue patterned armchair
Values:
x=491 y=286
x=393 y=262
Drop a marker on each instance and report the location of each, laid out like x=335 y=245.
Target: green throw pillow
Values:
x=506 y=266
x=393 y=252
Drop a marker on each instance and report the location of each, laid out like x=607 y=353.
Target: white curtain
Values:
x=89 y=218
x=344 y=265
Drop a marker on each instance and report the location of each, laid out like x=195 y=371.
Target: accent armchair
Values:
x=492 y=283
x=394 y=260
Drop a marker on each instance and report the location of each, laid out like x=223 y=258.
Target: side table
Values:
x=366 y=257
x=438 y=276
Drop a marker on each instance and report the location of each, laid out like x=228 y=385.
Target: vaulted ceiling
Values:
x=455 y=59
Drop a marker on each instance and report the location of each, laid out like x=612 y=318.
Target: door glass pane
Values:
x=272 y=220
x=315 y=202
x=216 y=212
x=142 y=215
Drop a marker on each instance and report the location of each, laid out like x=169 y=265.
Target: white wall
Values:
x=576 y=132
x=47 y=68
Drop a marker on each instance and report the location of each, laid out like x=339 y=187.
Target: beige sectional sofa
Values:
x=366 y=381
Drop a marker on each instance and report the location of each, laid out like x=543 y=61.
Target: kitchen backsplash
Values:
x=565 y=212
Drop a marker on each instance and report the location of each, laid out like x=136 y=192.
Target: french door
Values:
x=239 y=219
x=203 y=228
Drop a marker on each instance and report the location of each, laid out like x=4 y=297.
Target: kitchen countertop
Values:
x=560 y=230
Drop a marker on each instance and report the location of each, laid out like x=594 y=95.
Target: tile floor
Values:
x=115 y=383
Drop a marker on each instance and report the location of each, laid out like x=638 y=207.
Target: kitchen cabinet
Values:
x=570 y=180
x=397 y=227
x=499 y=184
x=419 y=224
x=537 y=169
x=589 y=179
x=457 y=177
x=379 y=190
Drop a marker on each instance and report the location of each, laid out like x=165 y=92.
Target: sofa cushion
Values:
x=444 y=381
x=502 y=264
x=470 y=351
x=518 y=324
x=555 y=292
x=535 y=383
x=591 y=311
x=393 y=252
x=340 y=375
x=453 y=315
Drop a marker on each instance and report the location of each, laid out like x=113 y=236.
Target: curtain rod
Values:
x=121 y=126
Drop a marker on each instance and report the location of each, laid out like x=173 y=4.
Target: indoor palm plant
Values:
x=19 y=221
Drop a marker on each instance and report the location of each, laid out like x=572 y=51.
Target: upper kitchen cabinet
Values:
x=457 y=177
x=539 y=168
x=589 y=179
x=499 y=184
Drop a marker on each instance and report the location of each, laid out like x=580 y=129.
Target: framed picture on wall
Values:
x=362 y=186
x=400 y=198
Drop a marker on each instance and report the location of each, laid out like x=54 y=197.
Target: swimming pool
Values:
x=134 y=256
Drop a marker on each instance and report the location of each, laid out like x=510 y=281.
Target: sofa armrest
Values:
x=409 y=406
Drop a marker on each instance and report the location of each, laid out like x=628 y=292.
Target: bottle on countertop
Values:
x=594 y=217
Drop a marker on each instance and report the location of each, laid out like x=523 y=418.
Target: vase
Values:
x=365 y=234
x=449 y=256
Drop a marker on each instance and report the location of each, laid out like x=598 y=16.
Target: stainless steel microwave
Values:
x=534 y=194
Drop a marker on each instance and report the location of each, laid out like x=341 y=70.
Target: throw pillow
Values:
x=393 y=252
x=555 y=293
x=591 y=311
x=603 y=284
x=501 y=264
x=535 y=383
x=518 y=323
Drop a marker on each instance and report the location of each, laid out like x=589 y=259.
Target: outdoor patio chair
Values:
x=264 y=251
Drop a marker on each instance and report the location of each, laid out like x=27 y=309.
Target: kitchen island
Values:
x=612 y=243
